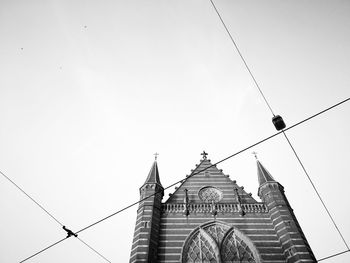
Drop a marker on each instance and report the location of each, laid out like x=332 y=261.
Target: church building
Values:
x=210 y=218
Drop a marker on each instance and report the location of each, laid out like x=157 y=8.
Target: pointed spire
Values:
x=263 y=175
x=153 y=176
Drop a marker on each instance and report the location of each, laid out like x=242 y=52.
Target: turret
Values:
x=146 y=233
x=289 y=232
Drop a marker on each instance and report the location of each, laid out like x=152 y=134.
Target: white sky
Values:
x=89 y=90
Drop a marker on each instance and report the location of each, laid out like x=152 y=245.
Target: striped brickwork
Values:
x=211 y=177
x=255 y=223
x=269 y=228
x=175 y=228
x=146 y=234
x=294 y=244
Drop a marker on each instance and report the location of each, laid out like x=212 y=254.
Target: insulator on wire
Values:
x=278 y=122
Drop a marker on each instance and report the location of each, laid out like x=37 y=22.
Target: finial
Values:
x=255 y=155
x=204 y=154
x=156 y=156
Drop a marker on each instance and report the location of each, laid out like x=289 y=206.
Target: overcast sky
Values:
x=90 y=90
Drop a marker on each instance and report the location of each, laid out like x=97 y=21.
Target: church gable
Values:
x=208 y=186
x=209 y=218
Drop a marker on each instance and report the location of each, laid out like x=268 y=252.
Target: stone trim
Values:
x=220 y=208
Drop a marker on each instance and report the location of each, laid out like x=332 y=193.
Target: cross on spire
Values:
x=204 y=154
x=156 y=156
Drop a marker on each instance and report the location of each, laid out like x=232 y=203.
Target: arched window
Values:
x=218 y=243
x=202 y=249
x=235 y=249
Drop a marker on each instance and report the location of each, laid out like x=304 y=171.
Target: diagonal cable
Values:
x=31 y=198
x=98 y=253
x=288 y=141
x=334 y=255
x=315 y=189
x=243 y=59
x=194 y=173
x=53 y=217
x=44 y=249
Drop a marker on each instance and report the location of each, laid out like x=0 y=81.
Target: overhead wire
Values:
x=44 y=249
x=31 y=198
x=249 y=147
x=129 y=206
x=222 y=160
x=315 y=189
x=98 y=253
x=53 y=217
x=283 y=131
x=243 y=59
x=334 y=255
x=197 y=172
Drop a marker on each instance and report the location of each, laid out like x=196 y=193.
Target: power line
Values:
x=334 y=255
x=194 y=173
x=314 y=187
x=240 y=54
x=44 y=249
x=288 y=141
x=61 y=240
x=31 y=198
x=98 y=253
x=53 y=217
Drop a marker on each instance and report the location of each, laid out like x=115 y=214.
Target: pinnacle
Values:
x=263 y=175
x=153 y=176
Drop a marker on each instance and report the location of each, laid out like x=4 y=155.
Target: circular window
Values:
x=209 y=194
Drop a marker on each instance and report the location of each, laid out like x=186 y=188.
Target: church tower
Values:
x=146 y=234
x=289 y=232
x=210 y=218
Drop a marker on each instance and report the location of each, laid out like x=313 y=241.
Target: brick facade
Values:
x=209 y=218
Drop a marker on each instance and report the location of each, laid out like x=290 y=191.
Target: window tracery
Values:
x=217 y=232
x=218 y=243
x=209 y=194
x=200 y=250
x=234 y=249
